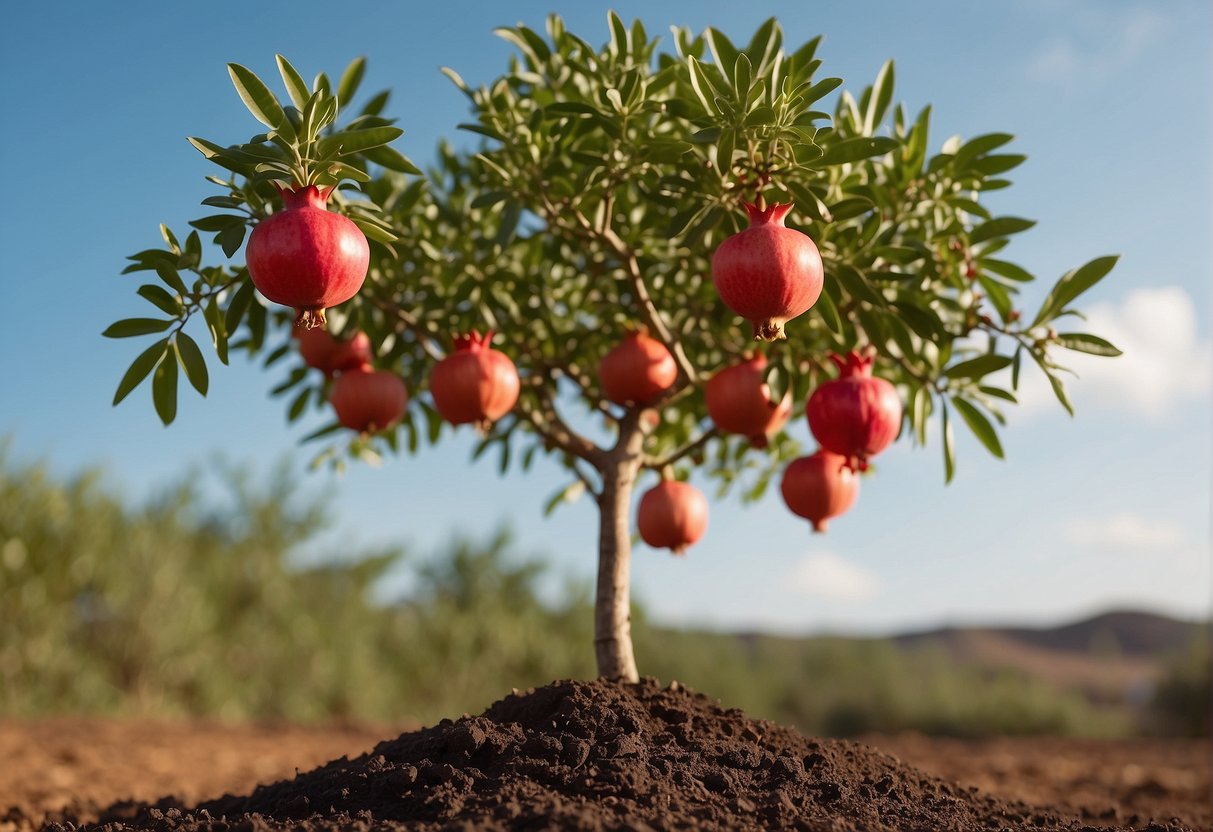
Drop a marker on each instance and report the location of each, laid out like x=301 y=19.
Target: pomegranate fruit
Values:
x=672 y=515
x=306 y=256
x=856 y=414
x=368 y=400
x=739 y=401
x=330 y=355
x=637 y=371
x=819 y=487
x=475 y=383
x=768 y=274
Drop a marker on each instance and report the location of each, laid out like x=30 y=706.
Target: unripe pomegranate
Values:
x=739 y=401
x=330 y=355
x=672 y=515
x=768 y=274
x=368 y=400
x=637 y=371
x=306 y=256
x=819 y=487
x=475 y=383
x=855 y=414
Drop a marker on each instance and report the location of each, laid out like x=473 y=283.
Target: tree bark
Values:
x=612 y=603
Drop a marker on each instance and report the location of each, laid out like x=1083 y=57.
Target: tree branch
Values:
x=648 y=310
x=549 y=425
x=679 y=453
x=427 y=342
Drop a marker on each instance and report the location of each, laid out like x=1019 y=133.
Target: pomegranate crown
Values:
x=773 y=214
x=298 y=196
x=854 y=364
x=473 y=341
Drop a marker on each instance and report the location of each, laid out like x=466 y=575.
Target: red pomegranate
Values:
x=855 y=415
x=306 y=256
x=475 y=383
x=368 y=400
x=819 y=487
x=331 y=355
x=637 y=371
x=768 y=274
x=739 y=401
x=672 y=515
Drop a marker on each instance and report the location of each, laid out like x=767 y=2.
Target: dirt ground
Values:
x=83 y=764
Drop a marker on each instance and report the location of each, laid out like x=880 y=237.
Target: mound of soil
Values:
x=600 y=755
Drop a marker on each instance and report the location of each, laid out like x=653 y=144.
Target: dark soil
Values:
x=598 y=755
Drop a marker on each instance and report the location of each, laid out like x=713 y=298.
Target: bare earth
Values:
x=81 y=764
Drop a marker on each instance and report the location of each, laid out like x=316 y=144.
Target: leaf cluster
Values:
x=606 y=176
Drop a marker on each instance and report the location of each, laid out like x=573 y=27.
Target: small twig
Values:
x=656 y=464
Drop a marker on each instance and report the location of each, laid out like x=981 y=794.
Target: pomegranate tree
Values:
x=625 y=187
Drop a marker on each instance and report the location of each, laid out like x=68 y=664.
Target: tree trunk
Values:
x=612 y=604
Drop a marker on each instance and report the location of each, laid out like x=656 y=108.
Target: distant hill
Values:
x=1113 y=656
x=1126 y=632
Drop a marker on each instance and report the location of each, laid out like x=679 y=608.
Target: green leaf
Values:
x=296 y=87
x=1072 y=284
x=569 y=494
x=852 y=150
x=375 y=231
x=193 y=362
x=214 y=322
x=139 y=369
x=256 y=96
x=999 y=227
x=217 y=222
x=980 y=426
x=170 y=276
x=949 y=447
x=164 y=388
x=857 y=285
x=999 y=393
x=1005 y=269
x=829 y=313
x=392 y=159
x=160 y=298
x=350 y=79
x=702 y=85
x=132 y=327
x=882 y=96
x=231 y=238
x=977 y=367
x=237 y=305
x=299 y=404
x=1092 y=344
x=355 y=141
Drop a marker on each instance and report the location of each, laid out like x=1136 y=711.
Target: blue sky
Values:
x=1110 y=101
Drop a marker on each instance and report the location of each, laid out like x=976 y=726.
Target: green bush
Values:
x=1183 y=699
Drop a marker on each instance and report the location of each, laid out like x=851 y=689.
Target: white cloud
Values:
x=1126 y=531
x=1165 y=363
x=826 y=575
x=1105 y=41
